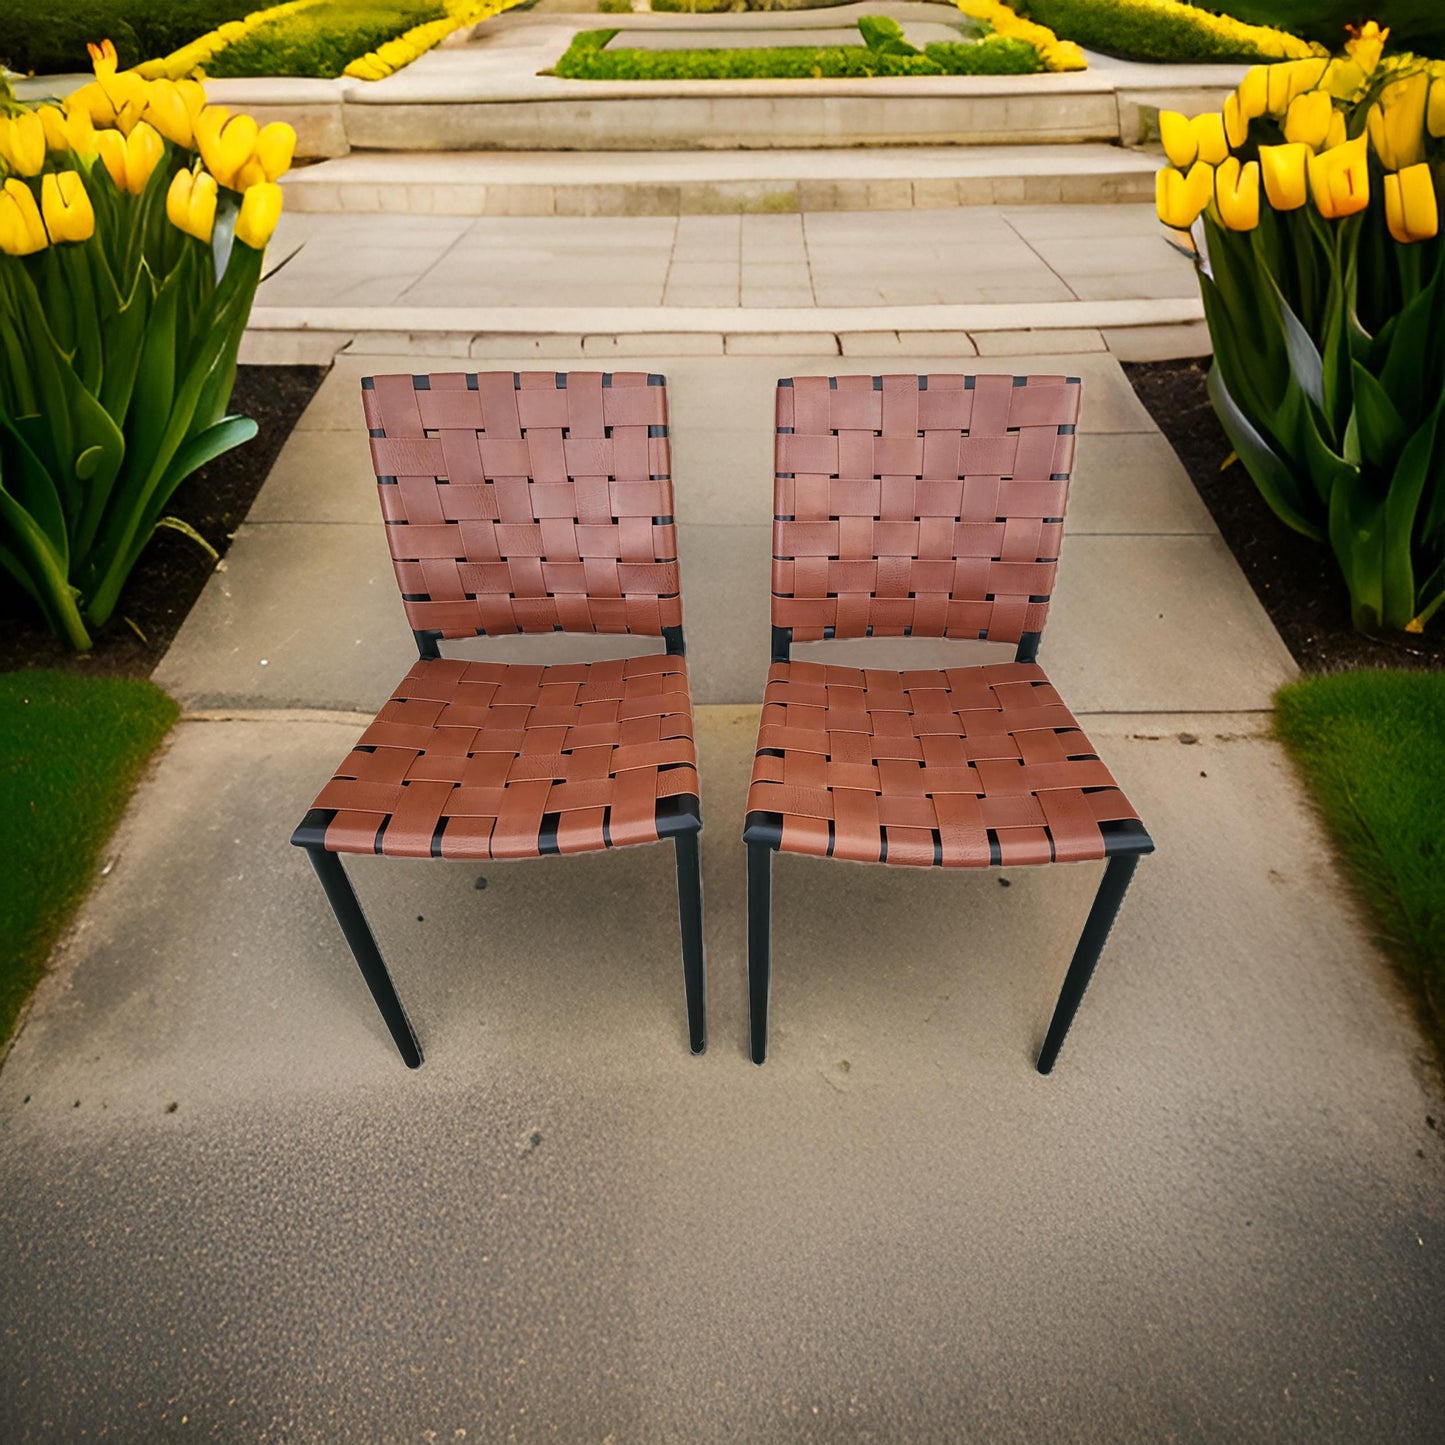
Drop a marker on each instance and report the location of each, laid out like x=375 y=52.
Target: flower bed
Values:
x=48 y=38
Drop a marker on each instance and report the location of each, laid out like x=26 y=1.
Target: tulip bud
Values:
x=1340 y=179
x=1179 y=198
x=275 y=147
x=1253 y=92
x=67 y=130
x=1308 y=118
x=194 y=95
x=1180 y=143
x=1365 y=44
x=1236 y=123
x=22 y=232
x=260 y=211
x=1209 y=133
x=166 y=111
x=143 y=151
x=110 y=147
x=1397 y=122
x=226 y=142
x=1285 y=173
x=1236 y=194
x=92 y=99
x=22 y=143
x=1411 y=209
x=191 y=204
x=66 y=207
x=1435 y=108
x=1337 y=132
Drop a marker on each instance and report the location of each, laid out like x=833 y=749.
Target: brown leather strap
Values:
x=927 y=506
x=930 y=767
x=485 y=760
x=527 y=501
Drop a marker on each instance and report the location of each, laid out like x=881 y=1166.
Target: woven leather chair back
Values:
x=922 y=506
x=532 y=501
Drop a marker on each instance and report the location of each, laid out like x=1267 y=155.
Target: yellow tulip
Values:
x=275 y=147
x=191 y=204
x=1209 y=132
x=166 y=111
x=1180 y=197
x=66 y=207
x=95 y=102
x=1285 y=172
x=1342 y=78
x=1340 y=179
x=68 y=128
x=1181 y=145
x=260 y=210
x=110 y=147
x=226 y=142
x=1253 y=92
x=194 y=95
x=1236 y=194
x=1365 y=44
x=22 y=232
x=1308 y=118
x=1299 y=76
x=22 y=143
x=103 y=58
x=1236 y=123
x=1337 y=132
x=1397 y=122
x=1411 y=209
x=128 y=95
x=1435 y=108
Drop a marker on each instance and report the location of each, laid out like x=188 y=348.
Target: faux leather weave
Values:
x=930 y=767
x=925 y=506
x=527 y=502
x=485 y=760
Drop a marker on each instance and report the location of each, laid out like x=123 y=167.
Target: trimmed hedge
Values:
x=1159 y=30
x=1414 y=24
x=48 y=37
x=324 y=41
x=586 y=59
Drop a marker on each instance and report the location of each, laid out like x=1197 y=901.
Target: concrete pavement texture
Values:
x=229 y=1208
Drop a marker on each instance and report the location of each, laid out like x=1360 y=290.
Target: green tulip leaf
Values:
x=1382 y=431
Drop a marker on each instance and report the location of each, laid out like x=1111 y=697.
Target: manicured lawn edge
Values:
x=71 y=752
x=1371 y=748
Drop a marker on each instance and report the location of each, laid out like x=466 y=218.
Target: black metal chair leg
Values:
x=689 y=910
x=760 y=945
x=1091 y=944
x=342 y=897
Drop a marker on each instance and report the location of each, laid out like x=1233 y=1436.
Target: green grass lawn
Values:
x=71 y=750
x=1371 y=746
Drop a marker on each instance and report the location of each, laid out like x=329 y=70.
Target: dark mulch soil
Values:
x=173 y=569
x=1297 y=580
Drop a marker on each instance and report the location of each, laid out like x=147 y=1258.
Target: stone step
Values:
x=653 y=183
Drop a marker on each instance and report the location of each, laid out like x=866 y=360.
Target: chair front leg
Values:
x=760 y=945
x=342 y=897
x=689 y=909
x=1101 y=918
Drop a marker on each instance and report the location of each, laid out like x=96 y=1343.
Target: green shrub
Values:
x=49 y=38
x=323 y=41
x=587 y=59
x=691 y=7
x=1414 y=24
x=615 y=7
x=1147 y=30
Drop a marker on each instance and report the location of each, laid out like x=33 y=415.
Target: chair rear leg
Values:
x=342 y=897
x=1101 y=918
x=760 y=945
x=689 y=909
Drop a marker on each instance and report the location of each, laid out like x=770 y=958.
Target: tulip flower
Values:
x=226 y=142
x=22 y=232
x=66 y=207
x=1179 y=197
x=191 y=204
x=1308 y=118
x=1411 y=209
x=1236 y=194
x=275 y=147
x=260 y=210
x=1253 y=92
x=1435 y=108
x=1340 y=179
x=133 y=158
x=1397 y=122
x=1181 y=145
x=22 y=143
x=167 y=112
x=1285 y=173
x=1236 y=123
x=1365 y=44
x=103 y=59
x=194 y=95
x=1337 y=132
x=67 y=128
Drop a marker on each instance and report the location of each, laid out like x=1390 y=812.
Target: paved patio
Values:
x=229 y=1206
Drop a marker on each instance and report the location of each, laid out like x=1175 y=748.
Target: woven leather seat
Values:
x=960 y=768
x=925 y=506
x=485 y=760
x=522 y=502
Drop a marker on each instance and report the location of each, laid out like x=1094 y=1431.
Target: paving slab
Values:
x=234 y=1208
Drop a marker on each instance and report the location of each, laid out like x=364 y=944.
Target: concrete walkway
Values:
x=228 y=1206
